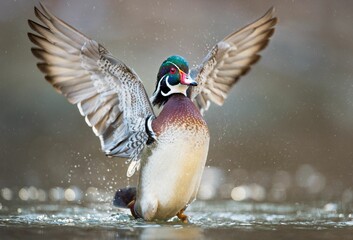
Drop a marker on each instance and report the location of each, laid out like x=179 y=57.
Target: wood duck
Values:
x=170 y=149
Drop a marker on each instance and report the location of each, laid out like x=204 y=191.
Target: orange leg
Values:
x=131 y=206
x=182 y=216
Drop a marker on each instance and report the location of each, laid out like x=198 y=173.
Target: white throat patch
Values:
x=179 y=88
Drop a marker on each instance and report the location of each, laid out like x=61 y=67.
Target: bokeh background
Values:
x=284 y=134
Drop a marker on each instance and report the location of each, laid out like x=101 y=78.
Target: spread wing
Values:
x=108 y=94
x=228 y=60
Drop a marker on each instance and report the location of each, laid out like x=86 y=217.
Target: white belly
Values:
x=171 y=176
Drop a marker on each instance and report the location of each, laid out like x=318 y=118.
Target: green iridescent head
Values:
x=173 y=61
x=173 y=77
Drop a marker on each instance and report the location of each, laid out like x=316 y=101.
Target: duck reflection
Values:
x=172 y=232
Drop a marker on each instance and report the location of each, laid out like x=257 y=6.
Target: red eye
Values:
x=172 y=70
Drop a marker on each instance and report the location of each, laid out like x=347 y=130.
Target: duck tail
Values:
x=124 y=197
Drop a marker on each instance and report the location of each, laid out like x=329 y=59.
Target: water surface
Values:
x=209 y=220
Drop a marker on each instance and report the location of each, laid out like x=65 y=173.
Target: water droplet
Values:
x=42 y=195
x=240 y=193
x=56 y=194
x=6 y=194
x=32 y=193
x=330 y=207
x=70 y=195
x=23 y=194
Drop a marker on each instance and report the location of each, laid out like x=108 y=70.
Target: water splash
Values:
x=203 y=214
x=206 y=217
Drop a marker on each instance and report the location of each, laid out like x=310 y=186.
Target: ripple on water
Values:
x=207 y=215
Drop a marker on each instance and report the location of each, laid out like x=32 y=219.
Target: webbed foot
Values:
x=183 y=217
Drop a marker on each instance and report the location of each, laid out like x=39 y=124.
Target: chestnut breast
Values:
x=179 y=113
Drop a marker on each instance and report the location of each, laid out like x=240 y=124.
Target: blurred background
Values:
x=284 y=134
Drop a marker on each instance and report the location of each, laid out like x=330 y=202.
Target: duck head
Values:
x=173 y=77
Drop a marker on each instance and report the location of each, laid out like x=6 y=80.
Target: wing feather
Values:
x=229 y=60
x=108 y=94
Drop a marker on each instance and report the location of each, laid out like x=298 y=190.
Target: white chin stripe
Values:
x=179 y=88
x=158 y=89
